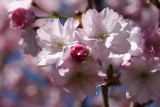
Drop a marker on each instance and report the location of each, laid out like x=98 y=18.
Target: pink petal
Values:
x=121 y=48
x=76 y=90
x=88 y=87
x=57 y=28
x=58 y=79
x=47 y=58
x=109 y=18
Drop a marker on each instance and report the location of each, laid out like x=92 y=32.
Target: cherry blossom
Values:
x=80 y=79
x=152 y=38
x=83 y=51
x=21 y=18
x=21 y=14
x=104 y=32
x=141 y=77
x=56 y=41
x=137 y=48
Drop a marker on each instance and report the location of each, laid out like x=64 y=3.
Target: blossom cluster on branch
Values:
x=85 y=46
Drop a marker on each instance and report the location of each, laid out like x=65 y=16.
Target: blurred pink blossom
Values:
x=21 y=14
x=28 y=42
x=137 y=10
x=141 y=77
x=80 y=79
x=12 y=74
x=152 y=40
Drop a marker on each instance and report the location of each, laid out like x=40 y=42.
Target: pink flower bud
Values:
x=79 y=53
x=21 y=18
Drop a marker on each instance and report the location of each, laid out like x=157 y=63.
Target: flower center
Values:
x=144 y=76
x=58 y=44
x=79 y=76
x=102 y=36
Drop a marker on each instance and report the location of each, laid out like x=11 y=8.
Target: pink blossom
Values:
x=3 y=17
x=141 y=77
x=116 y=60
x=137 y=46
x=9 y=40
x=137 y=10
x=126 y=7
x=21 y=14
x=104 y=32
x=80 y=79
x=12 y=74
x=56 y=41
x=136 y=39
x=21 y=18
x=79 y=53
x=8 y=37
x=152 y=40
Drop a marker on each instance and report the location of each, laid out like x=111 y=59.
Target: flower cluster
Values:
x=84 y=48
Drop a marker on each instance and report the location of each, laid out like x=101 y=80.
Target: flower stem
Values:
x=52 y=13
x=105 y=88
x=45 y=17
x=35 y=5
x=159 y=20
x=105 y=95
x=2 y=61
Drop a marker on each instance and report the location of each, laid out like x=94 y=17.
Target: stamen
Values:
x=144 y=76
x=79 y=76
x=103 y=36
x=58 y=45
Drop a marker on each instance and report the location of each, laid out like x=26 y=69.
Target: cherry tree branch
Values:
x=52 y=13
x=105 y=95
x=105 y=88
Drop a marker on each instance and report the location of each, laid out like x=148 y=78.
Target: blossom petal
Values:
x=89 y=88
x=109 y=18
x=59 y=79
x=121 y=48
x=46 y=58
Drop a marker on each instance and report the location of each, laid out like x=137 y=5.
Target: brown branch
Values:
x=105 y=95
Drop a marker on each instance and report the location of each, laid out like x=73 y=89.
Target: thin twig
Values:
x=52 y=13
x=35 y=5
x=105 y=88
x=105 y=95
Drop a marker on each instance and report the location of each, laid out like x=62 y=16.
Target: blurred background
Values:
x=23 y=84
